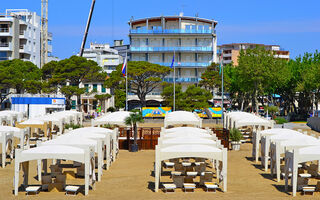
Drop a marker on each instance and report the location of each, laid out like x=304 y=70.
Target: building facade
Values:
x=230 y=52
x=20 y=36
x=192 y=40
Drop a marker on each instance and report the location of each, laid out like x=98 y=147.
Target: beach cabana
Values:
x=257 y=138
x=279 y=147
x=22 y=134
x=85 y=156
x=294 y=157
x=182 y=118
x=112 y=133
x=77 y=116
x=11 y=117
x=79 y=142
x=190 y=150
x=36 y=124
x=56 y=120
x=6 y=140
x=114 y=118
x=267 y=139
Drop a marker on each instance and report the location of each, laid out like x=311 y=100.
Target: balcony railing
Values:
x=4 y=44
x=22 y=32
x=4 y=30
x=171 y=48
x=171 y=31
x=184 y=64
x=21 y=46
x=183 y=79
x=4 y=58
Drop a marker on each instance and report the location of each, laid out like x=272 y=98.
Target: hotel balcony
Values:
x=171 y=49
x=5 y=46
x=184 y=64
x=172 y=31
x=183 y=79
x=5 y=31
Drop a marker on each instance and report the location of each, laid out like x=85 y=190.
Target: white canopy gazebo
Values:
x=22 y=134
x=54 y=152
x=114 y=118
x=79 y=142
x=11 y=116
x=267 y=139
x=36 y=124
x=182 y=118
x=6 y=140
x=228 y=117
x=77 y=116
x=295 y=156
x=279 y=147
x=190 y=150
x=56 y=120
x=111 y=146
x=257 y=138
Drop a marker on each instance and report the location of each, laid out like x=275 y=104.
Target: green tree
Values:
x=23 y=76
x=132 y=121
x=67 y=74
x=167 y=95
x=143 y=78
x=196 y=98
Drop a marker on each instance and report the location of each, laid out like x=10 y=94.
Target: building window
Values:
x=103 y=89
x=87 y=87
x=73 y=104
x=95 y=87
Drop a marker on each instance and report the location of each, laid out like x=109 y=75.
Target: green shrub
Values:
x=73 y=126
x=280 y=120
x=235 y=135
x=107 y=126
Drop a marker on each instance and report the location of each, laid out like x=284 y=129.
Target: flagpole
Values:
x=126 y=82
x=222 y=94
x=174 y=83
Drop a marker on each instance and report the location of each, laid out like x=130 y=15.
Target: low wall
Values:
x=314 y=123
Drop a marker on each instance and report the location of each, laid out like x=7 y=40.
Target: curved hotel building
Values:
x=156 y=39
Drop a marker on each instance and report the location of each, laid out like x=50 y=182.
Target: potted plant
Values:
x=132 y=121
x=235 y=137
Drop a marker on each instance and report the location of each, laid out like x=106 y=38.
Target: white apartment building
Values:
x=20 y=36
x=108 y=59
x=193 y=40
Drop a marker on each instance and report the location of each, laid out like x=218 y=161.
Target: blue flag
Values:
x=172 y=62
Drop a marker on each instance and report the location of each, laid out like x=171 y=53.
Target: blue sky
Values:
x=293 y=24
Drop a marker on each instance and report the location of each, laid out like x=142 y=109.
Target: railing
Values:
x=4 y=44
x=183 y=79
x=22 y=32
x=184 y=64
x=171 y=49
x=21 y=46
x=171 y=31
x=4 y=30
x=4 y=58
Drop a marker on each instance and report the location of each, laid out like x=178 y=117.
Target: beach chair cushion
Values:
x=34 y=189
x=169 y=186
x=71 y=189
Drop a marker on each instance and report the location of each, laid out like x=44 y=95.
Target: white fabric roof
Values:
x=194 y=148
x=182 y=117
x=58 y=149
x=94 y=129
x=33 y=122
x=188 y=134
x=188 y=140
x=115 y=118
x=185 y=130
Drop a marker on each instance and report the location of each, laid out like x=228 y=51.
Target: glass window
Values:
x=200 y=27
x=87 y=87
x=73 y=104
x=188 y=27
x=206 y=27
x=95 y=87
x=103 y=89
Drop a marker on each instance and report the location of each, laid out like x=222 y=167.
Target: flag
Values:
x=172 y=63
x=220 y=66
x=124 y=67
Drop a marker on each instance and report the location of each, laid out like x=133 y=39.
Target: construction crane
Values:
x=87 y=28
x=44 y=33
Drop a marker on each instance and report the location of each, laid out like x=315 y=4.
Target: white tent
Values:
x=163 y=142
x=79 y=142
x=279 y=147
x=267 y=139
x=254 y=121
x=181 y=118
x=78 y=116
x=57 y=120
x=233 y=115
x=190 y=150
x=22 y=134
x=112 y=147
x=11 y=117
x=54 y=152
x=293 y=158
x=6 y=140
x=115 y=118
x=257 y=137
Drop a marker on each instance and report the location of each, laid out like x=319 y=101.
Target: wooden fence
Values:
x=147 y=138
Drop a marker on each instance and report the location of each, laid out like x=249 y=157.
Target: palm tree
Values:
x=132 y=121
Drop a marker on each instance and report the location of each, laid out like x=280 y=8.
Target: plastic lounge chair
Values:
x=189 y=186
x=70 y=189
x=169 y=164
x=169 y=187
x=308 y=189
x=210 y=186
x=33 y=189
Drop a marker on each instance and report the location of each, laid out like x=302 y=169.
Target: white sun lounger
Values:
x=210 y=186
x=71 y=189
x=32 y=189
x=308 y=189
x=189 y=186
x=169 y=187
